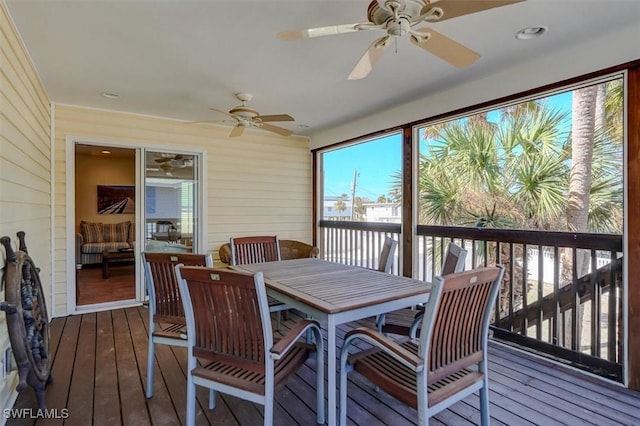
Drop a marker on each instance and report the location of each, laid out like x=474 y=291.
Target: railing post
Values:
x=407 y=202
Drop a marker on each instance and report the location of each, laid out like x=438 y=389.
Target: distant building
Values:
x=331 y=212
x=382 y=212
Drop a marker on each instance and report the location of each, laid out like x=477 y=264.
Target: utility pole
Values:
x=353 y=194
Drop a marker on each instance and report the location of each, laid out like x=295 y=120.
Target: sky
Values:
x=376 y=161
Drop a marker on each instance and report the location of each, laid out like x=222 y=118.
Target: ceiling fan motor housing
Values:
x=407 y=9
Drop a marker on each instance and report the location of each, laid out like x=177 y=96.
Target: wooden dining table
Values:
x=335 y=294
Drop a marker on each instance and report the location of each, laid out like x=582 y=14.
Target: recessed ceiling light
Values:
x=105 y=152
x=531 y=32
x=302 y=126
x=110 y=95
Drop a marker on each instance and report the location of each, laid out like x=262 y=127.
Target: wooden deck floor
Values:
x=99 y=366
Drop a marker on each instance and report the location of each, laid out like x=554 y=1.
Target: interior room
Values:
x=508 y=128
x=105 y=195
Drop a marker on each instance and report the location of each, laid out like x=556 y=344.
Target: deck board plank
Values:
x=132 y=398
x=524 y=390
x=162 y=407
x=107 y=400
x=57 y=393
x=83 y=378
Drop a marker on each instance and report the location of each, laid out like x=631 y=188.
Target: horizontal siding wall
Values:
x=259 y=183
x=25 y=170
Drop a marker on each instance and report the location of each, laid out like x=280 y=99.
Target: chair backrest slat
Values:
x=245 y=250
x=385 y=262
x=454 y=259
x=164 y=294
x=228 y=313
x=457 y=320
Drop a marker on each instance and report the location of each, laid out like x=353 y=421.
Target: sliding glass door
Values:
x=171 y=191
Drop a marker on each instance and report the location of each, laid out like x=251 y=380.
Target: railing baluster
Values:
x=539 y=303
x=612 y=316
x=556 y=294
x=512 y=264
x=595 y=306
x=473 y=254
x=498 y=308
x=525 y=287
x=575 y=325
x=620 y=299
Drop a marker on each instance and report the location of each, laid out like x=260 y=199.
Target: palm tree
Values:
x=359 y=210
x=340 y=206
x=509 y=173
x=515 y=170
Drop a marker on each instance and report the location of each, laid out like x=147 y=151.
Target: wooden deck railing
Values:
x=561 y=295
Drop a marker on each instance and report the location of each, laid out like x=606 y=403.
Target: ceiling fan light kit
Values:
x=398 y=18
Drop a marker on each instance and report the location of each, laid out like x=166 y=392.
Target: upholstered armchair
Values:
x=95 y=238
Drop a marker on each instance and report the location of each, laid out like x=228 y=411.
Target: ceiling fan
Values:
x=168 y=162
x=398 y=18
x=248 y=117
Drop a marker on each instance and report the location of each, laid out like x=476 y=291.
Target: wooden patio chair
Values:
x=246 y=250
x=231 y=346
x=448 y=363
x=167 y=324
x=403 y=320
x=385 y=261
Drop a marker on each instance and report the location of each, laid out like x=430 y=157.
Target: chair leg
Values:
x=344 y=369
x=484 y=402
x=278 y=316
x=342 y=420
x=320 y=417
x=212 y=399
x=150 y=367
x=268 y=409
x=191 y=401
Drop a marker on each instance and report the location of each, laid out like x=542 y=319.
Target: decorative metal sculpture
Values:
x=27 y=319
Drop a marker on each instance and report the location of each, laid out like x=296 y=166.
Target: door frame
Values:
x=70 y=223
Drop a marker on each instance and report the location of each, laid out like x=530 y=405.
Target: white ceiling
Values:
x=177 y=58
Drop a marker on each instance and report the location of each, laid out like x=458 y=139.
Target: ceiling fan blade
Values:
x=276 y=129
x=455 y=8
x=236 y=131
x=320 y=31
x=202 y=121
x=370 y=57
x=224 y=112
x=274 y=117
x=445 y=48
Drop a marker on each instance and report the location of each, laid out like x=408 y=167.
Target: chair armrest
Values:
x=413 y=330
x=301 y=327
x=385 y=344
x=380 y=320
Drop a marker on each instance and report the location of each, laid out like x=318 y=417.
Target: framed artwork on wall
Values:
x=116 y=199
